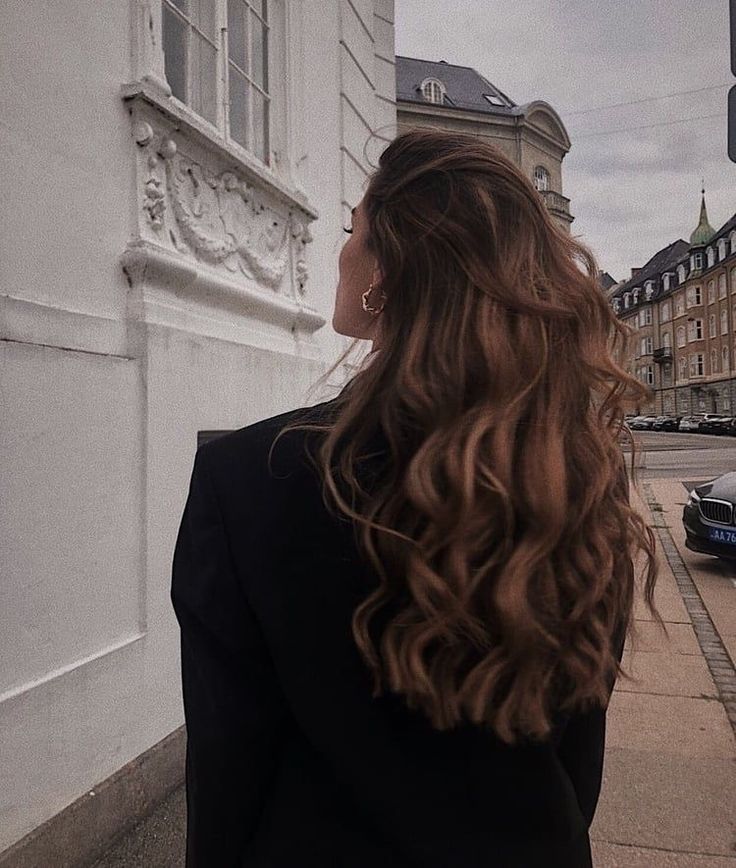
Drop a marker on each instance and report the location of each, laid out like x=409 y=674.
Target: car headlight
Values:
x=693 y=499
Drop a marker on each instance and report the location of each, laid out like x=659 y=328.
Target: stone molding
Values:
x=208 y=215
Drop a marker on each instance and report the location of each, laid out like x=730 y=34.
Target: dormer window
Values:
x=711 y=254
x=681 y=273
x=696 y=261
x=721 y=249
x=433 y=90
x=493 y=99
x=627 y=299
x=541 y=178
x=666 y=280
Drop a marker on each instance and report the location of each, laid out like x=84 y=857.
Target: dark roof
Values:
x=465 y=88
x=605 y=280
x=664 y=260
x=726 y=229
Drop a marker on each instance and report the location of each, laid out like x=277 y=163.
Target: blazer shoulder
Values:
x=247 y=448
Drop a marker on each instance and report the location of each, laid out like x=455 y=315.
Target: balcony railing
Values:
x=662 y=354
x=556 y=202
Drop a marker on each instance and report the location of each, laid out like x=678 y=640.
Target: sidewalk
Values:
x=669 y=786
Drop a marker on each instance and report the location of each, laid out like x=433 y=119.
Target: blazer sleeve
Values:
x=233 y=706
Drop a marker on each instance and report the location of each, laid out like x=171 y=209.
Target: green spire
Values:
x=704 y=231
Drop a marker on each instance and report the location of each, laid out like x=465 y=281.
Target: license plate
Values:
x=717 y=534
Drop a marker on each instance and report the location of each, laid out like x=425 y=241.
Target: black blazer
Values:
x=290 y=763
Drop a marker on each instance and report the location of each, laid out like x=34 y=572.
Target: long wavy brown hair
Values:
x=497 y=516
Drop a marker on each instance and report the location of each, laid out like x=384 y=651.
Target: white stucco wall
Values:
x=108 y=373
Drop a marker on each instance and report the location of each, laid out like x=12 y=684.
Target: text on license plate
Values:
x=717 y=534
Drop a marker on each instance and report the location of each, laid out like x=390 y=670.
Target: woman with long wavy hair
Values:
x=403 y=609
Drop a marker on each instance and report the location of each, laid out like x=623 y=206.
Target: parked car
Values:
x=708 y=518
x=718 y=425
x=691 y=423
x=642 y=422
x=666 y=423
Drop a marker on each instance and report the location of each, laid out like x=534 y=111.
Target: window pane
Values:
x=260 y=125
x=204 y=72
x=236 y=33
x=239 y=88
x=203 y=15
x=175 y=53
x=259 y=51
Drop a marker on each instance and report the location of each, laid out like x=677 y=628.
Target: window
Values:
x=696 y=365
x=722 y=285
x=682 y=374
x=679 y=306
x=541 y=181
x=433 y=90
x=247 y=62
x=721 y=249
x=712 y=326
x=649 y=375
x=681 y=273
x=666 y=339
x=493 y=99
x=627 y=299
x=695 y=330
x=711 y=254
x=681 y=336
x=733 y=315
x=724 y=321
x=711 y=291
x=733 y=280
x=724 y=359
x=696 y=261
x=693 y=296
x=713 y=361
x=666 y=281
x=635 y=294
x=206 y=73
x=666 y=311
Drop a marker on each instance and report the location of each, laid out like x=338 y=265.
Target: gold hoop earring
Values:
x=367 y=307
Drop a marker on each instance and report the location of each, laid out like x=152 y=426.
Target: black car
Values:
x=666 y=423
x=709 y=518
x=642 y=422
x=716 y=426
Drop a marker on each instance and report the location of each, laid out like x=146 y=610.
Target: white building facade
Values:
x=177 y=174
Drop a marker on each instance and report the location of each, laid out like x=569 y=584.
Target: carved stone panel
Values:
x=196 y=201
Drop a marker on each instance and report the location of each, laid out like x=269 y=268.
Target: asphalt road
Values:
x=683 y=456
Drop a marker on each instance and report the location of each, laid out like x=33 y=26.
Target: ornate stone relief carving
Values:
x=193 y=203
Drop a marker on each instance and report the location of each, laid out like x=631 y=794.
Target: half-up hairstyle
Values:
x=497 y=518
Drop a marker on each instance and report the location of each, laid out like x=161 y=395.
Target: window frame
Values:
x=222 y=127
x=546 y=178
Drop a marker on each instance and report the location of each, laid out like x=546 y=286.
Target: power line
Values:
x=645 y=99
x=649 y=126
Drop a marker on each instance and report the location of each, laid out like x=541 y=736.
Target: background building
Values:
x=682 y=307
x=175 y=186
x=446 y=96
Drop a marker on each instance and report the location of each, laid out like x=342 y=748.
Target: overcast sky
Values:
x=634 y=192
